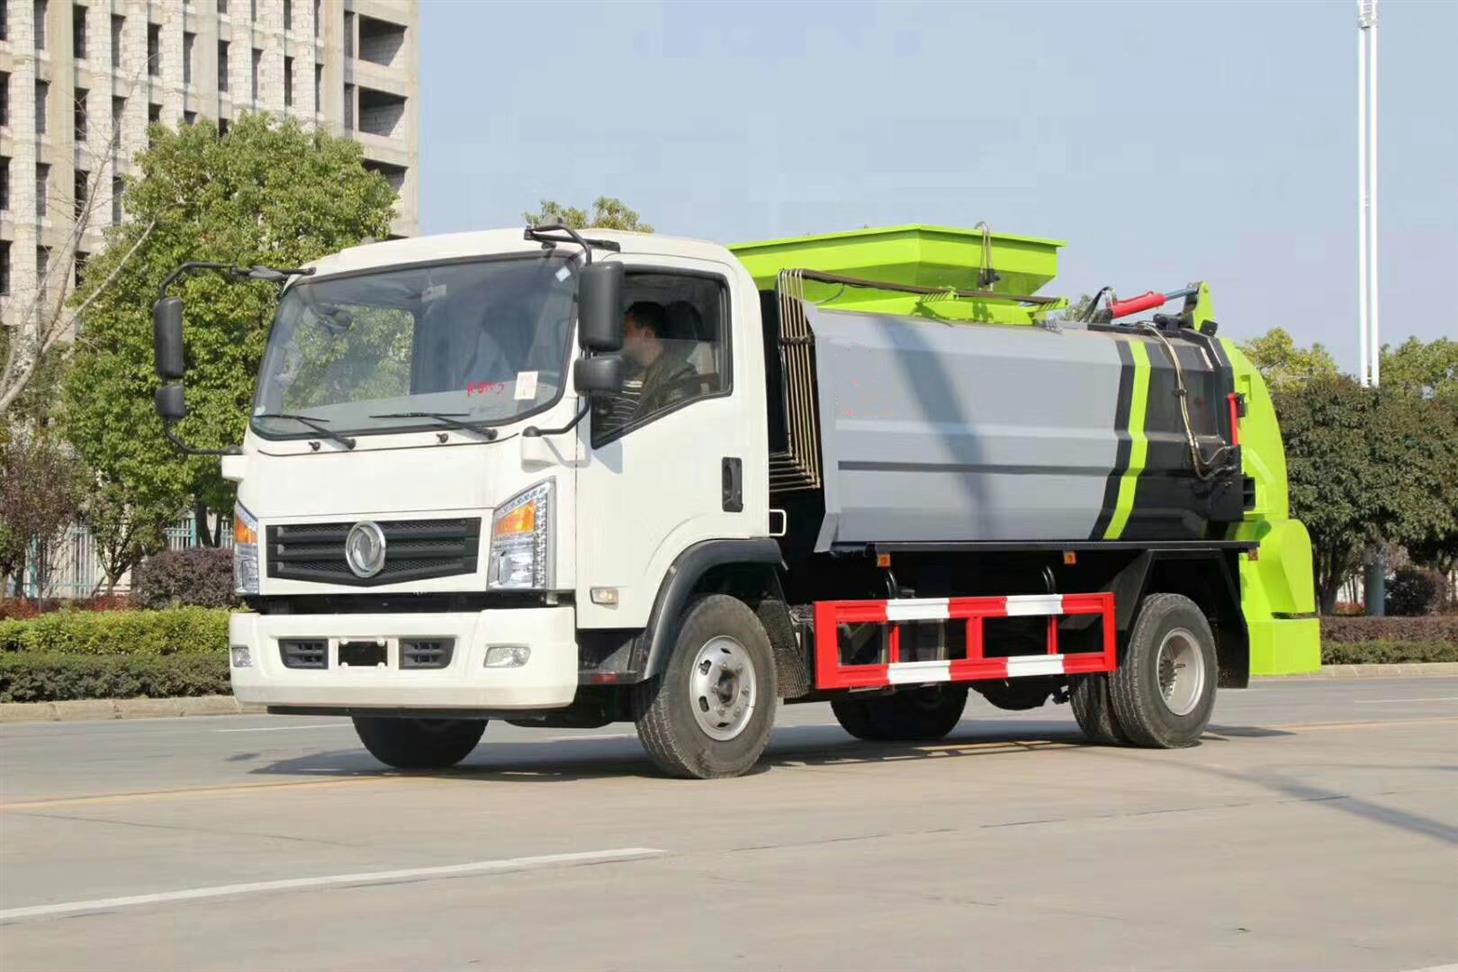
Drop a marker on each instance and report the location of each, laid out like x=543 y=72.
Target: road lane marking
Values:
x=1441 y=698
x=1300 y=727
x=333 y=880
x=323 y=725
x=198 y=792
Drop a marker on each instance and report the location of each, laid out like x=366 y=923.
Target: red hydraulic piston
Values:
x=1144 y=302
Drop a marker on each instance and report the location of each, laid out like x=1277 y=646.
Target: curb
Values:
x=1405 y=670
x=91 y=710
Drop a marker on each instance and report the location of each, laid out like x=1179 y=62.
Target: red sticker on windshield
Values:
x=485 y=388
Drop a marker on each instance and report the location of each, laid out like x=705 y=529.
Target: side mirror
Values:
x=600 y=307
x=167 y=338
x=171 y=403
x=598 y=376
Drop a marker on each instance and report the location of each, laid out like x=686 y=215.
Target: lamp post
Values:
x=1368 y=316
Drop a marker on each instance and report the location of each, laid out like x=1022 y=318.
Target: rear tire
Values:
x=711 y=711
x=1164 y=688
x=1095 y=712
x=912 y=715
x=419 y=743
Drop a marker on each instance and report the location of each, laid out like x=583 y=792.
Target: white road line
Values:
x=1443 y=698
x=321 y=725
x=361 y=878
x=586 y=735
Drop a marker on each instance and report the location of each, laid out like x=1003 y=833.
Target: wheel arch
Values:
x=745 y=568
x=1207 y=578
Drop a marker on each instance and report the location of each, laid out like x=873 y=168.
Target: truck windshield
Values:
x=483 y=342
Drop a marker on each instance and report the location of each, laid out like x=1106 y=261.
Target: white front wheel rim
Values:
x=723 y=689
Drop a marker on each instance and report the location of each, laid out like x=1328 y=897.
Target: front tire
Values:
x=419 y=743
x=1163 y=691
x=912 y=715
x=710 y=713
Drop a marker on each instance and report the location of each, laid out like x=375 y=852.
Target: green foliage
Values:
x=1428 y=369
x=1369 y=466
x=1332 y=476
x=607 y=213
x=180 y=631
x=1389 y=652
x=1283 y=365
x=266 y=193
x=51 y=677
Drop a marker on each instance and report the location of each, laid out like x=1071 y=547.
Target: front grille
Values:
x=304 y=653
x=426 y=652
x=414 y=550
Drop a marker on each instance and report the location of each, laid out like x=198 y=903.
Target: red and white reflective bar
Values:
x=830 y=615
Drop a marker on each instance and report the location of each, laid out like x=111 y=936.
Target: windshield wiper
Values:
x=317 y=424
x=451 y=419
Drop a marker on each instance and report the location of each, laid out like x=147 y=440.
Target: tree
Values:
x=126 y=527
x=1368 y=467
x=1332 y=477
x=1285 y=366
x=607 y=213
x=1428 y=369
x=41 y=486
x=267 y=193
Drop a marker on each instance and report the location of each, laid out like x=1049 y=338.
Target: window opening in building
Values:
x=42 y=99
x=78 y=32
x=154 y=50
x=117 y=24
x=81 y=119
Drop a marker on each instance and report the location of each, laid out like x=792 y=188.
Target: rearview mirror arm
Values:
x=276 y=275
x=539 y=234
x=532 y=432
x=188 y=450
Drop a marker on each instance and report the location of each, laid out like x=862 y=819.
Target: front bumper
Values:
x=548 y=679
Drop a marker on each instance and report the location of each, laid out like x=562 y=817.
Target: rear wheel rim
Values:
x=723 y=689
x=1180 y=667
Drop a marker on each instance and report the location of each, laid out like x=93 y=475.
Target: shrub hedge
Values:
x=1388 y=652
x=180 y=631
x=56 y=677
x=1431 y=628
x=199 y=576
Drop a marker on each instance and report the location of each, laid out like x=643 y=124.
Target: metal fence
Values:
x=70 y=568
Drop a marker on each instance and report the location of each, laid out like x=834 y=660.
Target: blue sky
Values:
x=1166 y=142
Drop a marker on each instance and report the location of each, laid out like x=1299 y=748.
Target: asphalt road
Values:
x=1316 y=827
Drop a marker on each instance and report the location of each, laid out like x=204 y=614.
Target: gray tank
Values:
x=934 y=433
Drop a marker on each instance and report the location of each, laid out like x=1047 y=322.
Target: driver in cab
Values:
x=667 y=378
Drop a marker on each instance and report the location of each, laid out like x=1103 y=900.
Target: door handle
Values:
x=732 y=470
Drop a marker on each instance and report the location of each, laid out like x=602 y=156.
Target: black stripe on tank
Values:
x=1125 y=446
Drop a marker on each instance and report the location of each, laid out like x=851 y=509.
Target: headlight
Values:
x=245 y=551
x=521 y=541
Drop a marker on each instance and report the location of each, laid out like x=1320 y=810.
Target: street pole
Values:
x=1368 y=316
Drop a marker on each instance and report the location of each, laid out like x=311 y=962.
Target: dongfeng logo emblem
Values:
x=364 y=549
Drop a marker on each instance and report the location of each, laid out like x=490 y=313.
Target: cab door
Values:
x=684 y=463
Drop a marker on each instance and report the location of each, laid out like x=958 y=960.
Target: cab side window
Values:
x=675 y=348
